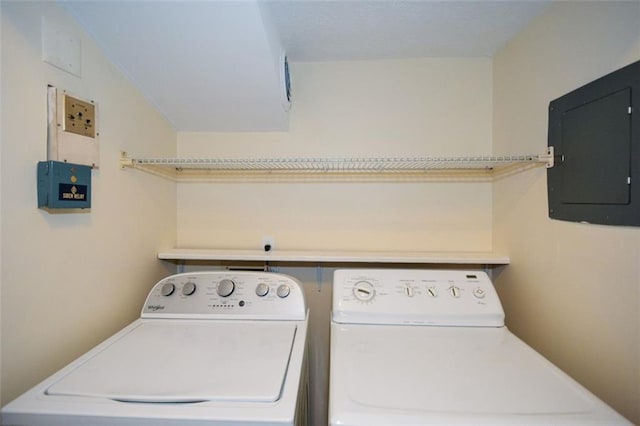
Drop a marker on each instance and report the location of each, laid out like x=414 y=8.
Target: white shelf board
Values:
x=483 y=258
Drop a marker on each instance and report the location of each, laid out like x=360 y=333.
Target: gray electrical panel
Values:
x=595 y=133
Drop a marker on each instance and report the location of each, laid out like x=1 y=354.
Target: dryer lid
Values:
x=452 y=370
x=187 y=361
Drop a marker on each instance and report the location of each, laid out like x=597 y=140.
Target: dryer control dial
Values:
x=226 y=287
x=455 y=291
x=364 y=291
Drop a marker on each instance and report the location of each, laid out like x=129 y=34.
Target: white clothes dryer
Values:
x=210 y=348
x=427 y=347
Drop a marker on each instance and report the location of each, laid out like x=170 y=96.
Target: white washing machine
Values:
x=210 y=348
x=426 y=347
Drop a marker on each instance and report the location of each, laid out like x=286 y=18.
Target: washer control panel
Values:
x=416 y=297
x=230 y=295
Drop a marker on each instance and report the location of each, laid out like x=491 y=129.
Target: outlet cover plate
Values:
x=73 y=134
x=79 y=117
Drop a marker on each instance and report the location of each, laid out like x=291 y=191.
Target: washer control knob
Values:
x=364 y=291
x=283 y=291
x=262 y=289
x=167 y=289
x=189 y=288
x=455 y=291
x=479 y=293
x=226 y=287
x=432 y=292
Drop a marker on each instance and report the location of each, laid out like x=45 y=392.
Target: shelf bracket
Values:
x=548 y=158
x=125 y=161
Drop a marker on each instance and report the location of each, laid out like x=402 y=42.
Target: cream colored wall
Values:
x=572 y=291
x=428 y=107
x=71 y=280
x=435 y=107
x=1 y=203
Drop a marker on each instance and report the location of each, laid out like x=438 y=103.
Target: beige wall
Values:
x=70 y=280
x=572 y=291
x=428 y=107
x=352 y=109
x=1 y=202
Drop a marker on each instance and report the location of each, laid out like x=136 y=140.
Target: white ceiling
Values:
x=386 y=29
x=215 y=65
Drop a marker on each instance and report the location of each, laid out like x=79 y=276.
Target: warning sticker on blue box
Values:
x=71 y=192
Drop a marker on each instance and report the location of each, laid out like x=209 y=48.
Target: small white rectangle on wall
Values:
x=72 y=133
x=61 y=48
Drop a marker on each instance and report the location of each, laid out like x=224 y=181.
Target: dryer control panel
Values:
x=226 y=295
x=416 y=297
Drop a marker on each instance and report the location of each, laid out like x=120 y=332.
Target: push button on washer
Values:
x=479 y=293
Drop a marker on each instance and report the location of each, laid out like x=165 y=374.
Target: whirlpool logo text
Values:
x=154 y=308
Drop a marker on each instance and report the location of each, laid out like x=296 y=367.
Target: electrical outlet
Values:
x=79 y=117
x=268 y=243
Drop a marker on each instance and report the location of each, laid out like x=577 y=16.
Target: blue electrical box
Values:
x=63 y=185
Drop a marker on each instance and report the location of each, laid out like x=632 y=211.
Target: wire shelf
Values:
x=195 y=169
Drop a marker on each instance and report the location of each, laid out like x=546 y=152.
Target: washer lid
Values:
x=187 y=361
